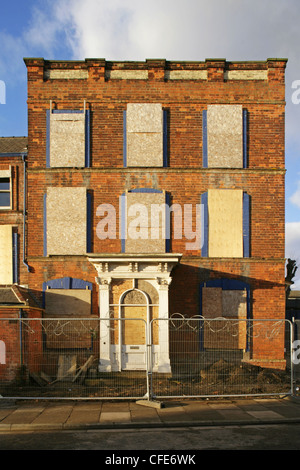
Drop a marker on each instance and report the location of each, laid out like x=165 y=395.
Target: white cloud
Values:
x=292 y=238
x=44 y=30
x=172 y=29
x=11 y=64
x=190 y=30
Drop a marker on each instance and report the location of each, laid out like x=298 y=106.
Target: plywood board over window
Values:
x=144 y=123
x=212 y=302
x=145 y=222
x=229 y=305
x=67 y=139
x=66 y=221
x=224 y=135
x=68 y=302
x=64 y=304
x=225 y=219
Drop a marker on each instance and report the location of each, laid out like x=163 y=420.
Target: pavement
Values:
x=37 y=415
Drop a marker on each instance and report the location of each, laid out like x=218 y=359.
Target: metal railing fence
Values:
x=128 y=358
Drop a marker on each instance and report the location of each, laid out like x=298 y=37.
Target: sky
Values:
x=189 y=30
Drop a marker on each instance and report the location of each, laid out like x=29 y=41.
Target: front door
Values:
x=134 y=314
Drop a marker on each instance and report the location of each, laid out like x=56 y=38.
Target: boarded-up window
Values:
x=67 y=139
x=66 y=221
x=220 y=308
x=144 y=135
x=144 y=222
x=66 y=301
x=226 y=223
x=224 y=134
x=225 y=219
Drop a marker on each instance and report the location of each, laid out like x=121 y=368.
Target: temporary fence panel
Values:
x=71 y=358
x=224 y=357
x=132 y=358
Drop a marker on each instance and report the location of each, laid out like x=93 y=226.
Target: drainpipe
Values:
x=24 y=213
x=21 y=334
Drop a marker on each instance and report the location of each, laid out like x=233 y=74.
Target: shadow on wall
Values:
x=188 y=282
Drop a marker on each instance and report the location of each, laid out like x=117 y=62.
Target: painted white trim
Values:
x=155 y=269
x=121 y=304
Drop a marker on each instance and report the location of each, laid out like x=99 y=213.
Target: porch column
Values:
x=163 y=331
x=104 y=327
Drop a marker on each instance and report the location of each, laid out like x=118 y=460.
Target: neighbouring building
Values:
x=13 y=152
x=293 y=305
x=153 y=188
x=15 y=301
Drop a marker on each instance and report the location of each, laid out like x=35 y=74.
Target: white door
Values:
x=134 y=334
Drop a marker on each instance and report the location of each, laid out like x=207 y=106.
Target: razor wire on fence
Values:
x=225 y=357
x=132 y=358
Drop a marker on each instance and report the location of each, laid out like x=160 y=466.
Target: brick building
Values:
x=15 y=300
x=13 y=151
x=156 y=188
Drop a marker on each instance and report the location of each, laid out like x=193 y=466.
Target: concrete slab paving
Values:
x=115 y=406
x=4 y=414
x=115 y=417
x=268 y=414
x=85 y=413
x=54 y=414
x=20 y=416
x=101 y=414
x=235 y=415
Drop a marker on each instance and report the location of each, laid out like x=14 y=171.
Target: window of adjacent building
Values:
x=144 y=222
x=66 y=221
x=8 y=254
x=5 y=189
x=226 y=219
x=4 y=193
x=68 y=138
x=224 y=136
x=144 y=135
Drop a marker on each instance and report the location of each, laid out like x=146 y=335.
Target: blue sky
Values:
x=170 y=29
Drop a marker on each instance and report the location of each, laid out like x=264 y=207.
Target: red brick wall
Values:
x=185 y=179
x=266 y=191
x=185 y=101
x=23 y=343
x=9 y=334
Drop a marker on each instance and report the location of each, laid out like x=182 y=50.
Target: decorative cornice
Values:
x=134 y=266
